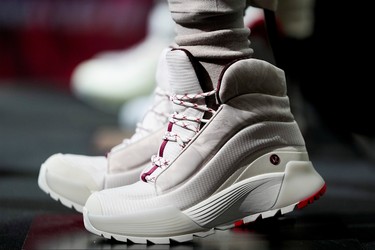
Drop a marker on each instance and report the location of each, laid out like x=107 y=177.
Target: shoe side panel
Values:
x=250 y=112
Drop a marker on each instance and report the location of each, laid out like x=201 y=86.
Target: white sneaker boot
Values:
x=72 y=178
x=248 y=160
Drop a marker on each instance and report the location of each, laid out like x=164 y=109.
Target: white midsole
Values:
x=264 y=195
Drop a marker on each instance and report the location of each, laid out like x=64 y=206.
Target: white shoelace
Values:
x=158 y=162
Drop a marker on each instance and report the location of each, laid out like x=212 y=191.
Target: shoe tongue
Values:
x=162 y=74
x=182 y=76
x=160 y=103
x=182 y=80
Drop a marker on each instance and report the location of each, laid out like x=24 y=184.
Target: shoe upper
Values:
x=197 y=156
x=249 y=99
x=189 y=107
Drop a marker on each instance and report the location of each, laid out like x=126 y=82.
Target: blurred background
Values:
x=76 y=76
x=44 y=40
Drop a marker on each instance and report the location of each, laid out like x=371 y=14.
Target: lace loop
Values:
x=171 y=136
x=186 y=101
x=180 y=119
x=159 y=161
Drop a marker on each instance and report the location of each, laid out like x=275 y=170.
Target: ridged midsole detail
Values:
x=159 y=222
x=241 y=199
x=247 y=196
x=258 y=194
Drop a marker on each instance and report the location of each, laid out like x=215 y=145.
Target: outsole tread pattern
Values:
x=277 y=212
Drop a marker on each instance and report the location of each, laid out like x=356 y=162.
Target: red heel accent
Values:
x=312 y=198
x=301 y=204
x=239 y=223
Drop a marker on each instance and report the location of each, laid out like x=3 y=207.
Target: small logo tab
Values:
x=274 y=159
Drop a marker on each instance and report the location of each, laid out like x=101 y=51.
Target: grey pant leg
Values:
x=211 y=29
